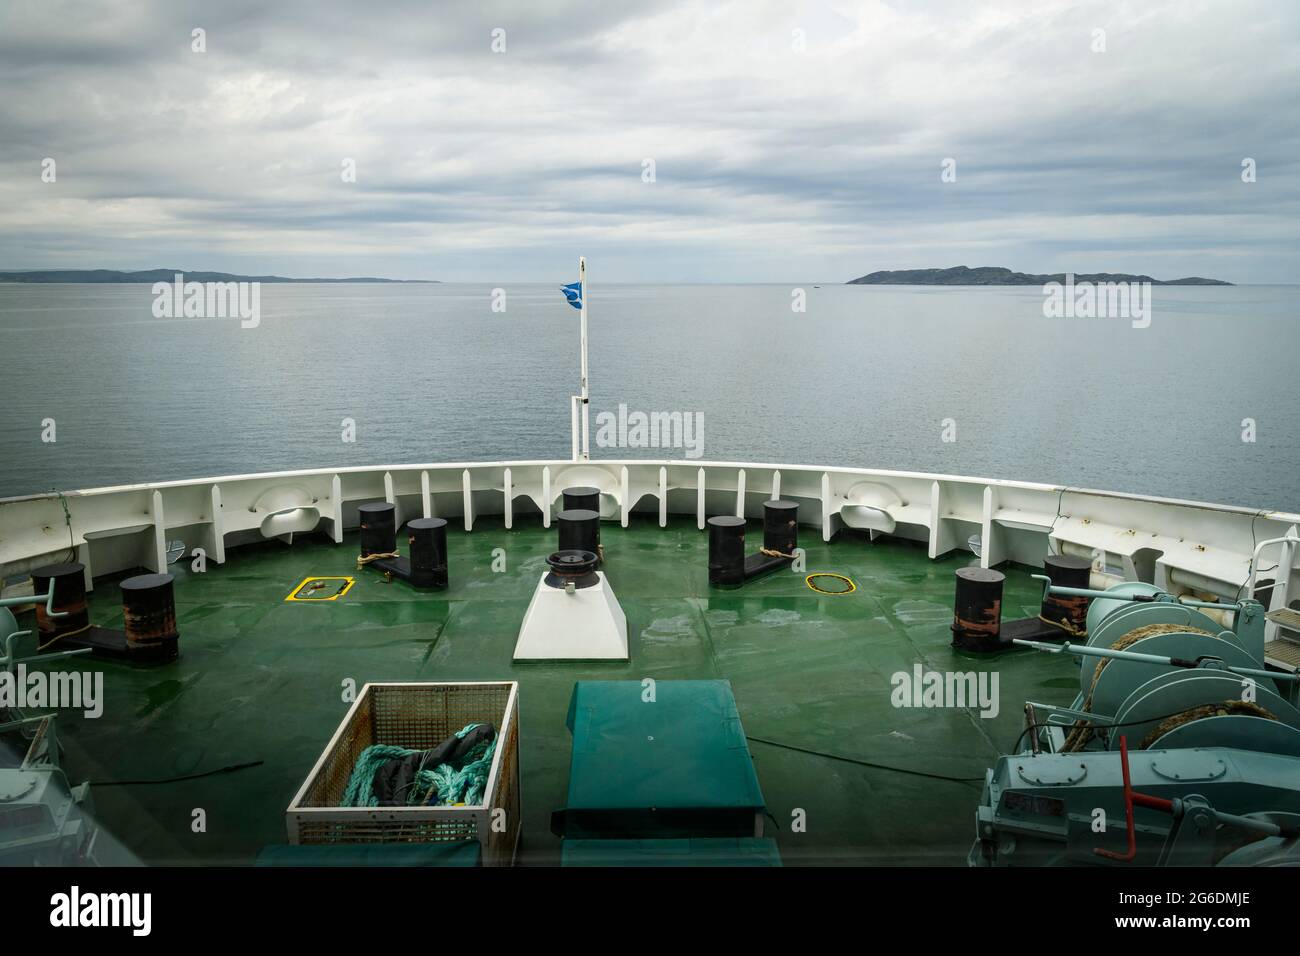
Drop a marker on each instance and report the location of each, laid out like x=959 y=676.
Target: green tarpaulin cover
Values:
x=752 y=851
x=667 y=761
x=459 y=853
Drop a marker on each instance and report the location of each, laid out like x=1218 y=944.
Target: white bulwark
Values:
x=1183 y=547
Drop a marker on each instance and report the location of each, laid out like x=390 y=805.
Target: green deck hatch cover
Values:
x=751 y=851
x=685 y=749
x=443 y=853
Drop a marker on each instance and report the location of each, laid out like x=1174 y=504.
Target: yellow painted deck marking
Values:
x=828 y=574
x=330 y=588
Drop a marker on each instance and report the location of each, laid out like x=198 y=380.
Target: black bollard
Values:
x=427 y=538
x=579 y=530
x=977 y=610
x=780 y=526
x=69 y=583
x=149 y=616
x=378 y=528
x=1070 y=614
x=726 y=551
x=585 y=498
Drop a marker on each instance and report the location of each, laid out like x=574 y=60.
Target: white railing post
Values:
x=663 y=497
x=336 y=495
x=627 y=495
x=159 y=533
x=699 y=498
x=468 y=498
x=218 y=532
x=508 y=505
x=827 y=514
x=546 y=497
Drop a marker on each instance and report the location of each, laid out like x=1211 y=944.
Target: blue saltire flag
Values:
x=573 y=293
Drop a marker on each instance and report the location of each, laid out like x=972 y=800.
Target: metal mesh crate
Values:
x=417 y=716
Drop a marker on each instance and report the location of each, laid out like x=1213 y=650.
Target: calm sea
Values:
x=866 y=376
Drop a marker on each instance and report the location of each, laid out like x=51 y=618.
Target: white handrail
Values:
x=1254 y=558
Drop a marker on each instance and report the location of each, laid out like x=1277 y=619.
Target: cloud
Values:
x=791 y=141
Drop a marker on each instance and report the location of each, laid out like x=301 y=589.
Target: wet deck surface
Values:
x=261 y=679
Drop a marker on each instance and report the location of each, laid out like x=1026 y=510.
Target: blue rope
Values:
x=447 y=784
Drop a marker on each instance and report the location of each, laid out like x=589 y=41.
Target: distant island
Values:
x=994 y=275
x=163 y=275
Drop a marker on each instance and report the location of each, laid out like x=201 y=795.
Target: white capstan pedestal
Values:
x=585 y=624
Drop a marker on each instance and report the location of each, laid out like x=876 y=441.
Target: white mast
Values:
x=582 y=288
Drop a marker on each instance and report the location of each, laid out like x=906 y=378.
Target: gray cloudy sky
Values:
x=771 y=163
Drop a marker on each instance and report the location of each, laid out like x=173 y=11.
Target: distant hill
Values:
x=995 y=275
x=163 y=275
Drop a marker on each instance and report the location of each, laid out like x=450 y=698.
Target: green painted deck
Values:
x=259 y=678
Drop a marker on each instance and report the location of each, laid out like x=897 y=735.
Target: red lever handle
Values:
x=1131 y=797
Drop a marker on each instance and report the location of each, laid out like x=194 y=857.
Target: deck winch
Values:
x=730 y=567
x=44 y=819
x=1182 y=746
x=426 y=541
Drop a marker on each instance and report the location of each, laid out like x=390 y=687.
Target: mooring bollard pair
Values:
x=578 y=521
x=426 y=537
x=149 y=632
x=977 y=607
x=729 y=567
x=427 y=564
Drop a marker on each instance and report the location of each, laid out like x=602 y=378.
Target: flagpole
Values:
x=582 y=281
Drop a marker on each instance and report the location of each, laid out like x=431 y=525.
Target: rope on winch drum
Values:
x=1228 y=708
x=1082 y=731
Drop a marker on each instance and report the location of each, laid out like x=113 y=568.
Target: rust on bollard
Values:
x=977 y=610
x=69 y=583
x=1069 y=613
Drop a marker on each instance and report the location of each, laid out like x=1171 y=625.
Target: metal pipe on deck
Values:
x=1079 y=650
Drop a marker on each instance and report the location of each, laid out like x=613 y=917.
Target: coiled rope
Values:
x=442 y=786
